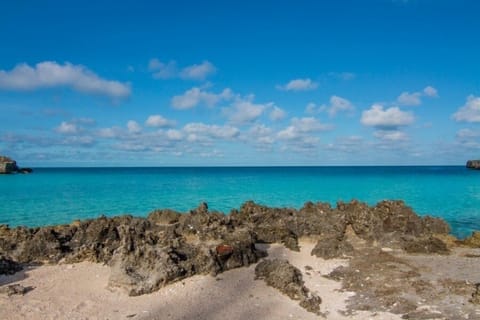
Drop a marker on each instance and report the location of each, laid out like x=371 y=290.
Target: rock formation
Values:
x=147 y=253
x=288 y=279
x=8 y=165
x=473 y=164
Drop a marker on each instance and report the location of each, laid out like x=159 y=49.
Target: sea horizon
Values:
x=249 y=166
x=56 y=195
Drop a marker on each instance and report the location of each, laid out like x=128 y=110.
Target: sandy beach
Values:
x=80 y=291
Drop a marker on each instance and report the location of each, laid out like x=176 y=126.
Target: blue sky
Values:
x=150 y=83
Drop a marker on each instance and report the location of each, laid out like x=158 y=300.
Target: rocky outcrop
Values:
x=473 y=164
x=147 y=253
x=7 y=165
x=288 y=279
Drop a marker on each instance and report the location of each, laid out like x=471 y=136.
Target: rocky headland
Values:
x=8 y=165
x=397 y=261
x=473 y=164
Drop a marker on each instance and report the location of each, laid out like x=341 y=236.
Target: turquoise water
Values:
x=60 y=195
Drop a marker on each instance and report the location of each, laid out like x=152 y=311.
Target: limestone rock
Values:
x=332 y=247
x=288 y=279
x=147 y=253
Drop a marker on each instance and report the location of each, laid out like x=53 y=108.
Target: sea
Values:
x=60 y=195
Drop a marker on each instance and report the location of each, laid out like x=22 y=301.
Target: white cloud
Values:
x=430 y=91
x=277 y=114
x=289 y=133
x=260 y=130
x=261 y=136
x=391 y=135
x=158 y=121
x=175 y=135
x=198 y=71
x=414 y=99
x=79 y=140
x=311 y=108
x=67 y=128
x=468 y=138
x=243 y=110
x=133 y=127
x=388 y=119
x=410 y=99
x=198 y=129
x=169 y=70
x=300 y=128
x=299 y=85
x=467 y=134
x=339 y=104
x=50 y=74
x=162 y=70
x=113 y=132
x=470 y=112
x=309 y=124
x=195 y=96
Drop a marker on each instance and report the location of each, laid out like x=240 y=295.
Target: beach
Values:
x=258 y=262
x=80 y=291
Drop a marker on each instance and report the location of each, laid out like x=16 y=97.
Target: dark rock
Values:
x=288 y=279
x=332 y=247
x=15 y=289
x=8 y=266
x=25 y=170
x=473 y=164
x=426 y=245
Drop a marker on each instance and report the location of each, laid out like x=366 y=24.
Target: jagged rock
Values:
x=332 y=247
x=8 y=266
x=141 y=267
x=146 y=253
x=288 y=279
x=270 y=224
x=165 y=216
x=425 y=245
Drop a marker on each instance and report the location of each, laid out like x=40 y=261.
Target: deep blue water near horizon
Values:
x=61 y=195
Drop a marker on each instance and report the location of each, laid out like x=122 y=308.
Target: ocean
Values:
x=60 y=195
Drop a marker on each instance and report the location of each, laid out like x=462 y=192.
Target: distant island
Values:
x=473 y=164
x=8 y=165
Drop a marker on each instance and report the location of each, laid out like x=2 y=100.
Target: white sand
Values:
x=80 y=291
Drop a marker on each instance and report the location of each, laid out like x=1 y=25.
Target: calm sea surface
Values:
x=60 y=195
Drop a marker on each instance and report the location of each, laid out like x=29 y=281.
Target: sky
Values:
x=240 y=83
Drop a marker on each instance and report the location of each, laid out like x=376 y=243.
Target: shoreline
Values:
x=376 y=245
